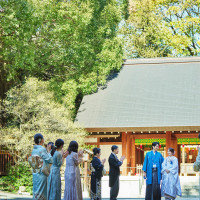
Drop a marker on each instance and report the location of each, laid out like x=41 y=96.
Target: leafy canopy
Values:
x=31 y=109
x=162 y=28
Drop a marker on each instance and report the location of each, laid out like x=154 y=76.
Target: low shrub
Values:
x=18 y=175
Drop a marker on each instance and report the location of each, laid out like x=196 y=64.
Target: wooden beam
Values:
x=149 y=136
x=186 y=135
x=139 y=129
x=102 y=136
x=110 y=143
x=91 y=143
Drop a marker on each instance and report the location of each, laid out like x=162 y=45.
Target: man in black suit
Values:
x=114 y=172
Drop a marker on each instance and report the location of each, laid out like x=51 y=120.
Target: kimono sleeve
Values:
x=59 y=159
x=76 y=159
x=174 y=168
x=144 y=168
x=162 y=159
x=97 y=165
x=164 y=166
x=46 y=156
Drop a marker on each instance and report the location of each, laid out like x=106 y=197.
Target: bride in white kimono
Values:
x=170 y=187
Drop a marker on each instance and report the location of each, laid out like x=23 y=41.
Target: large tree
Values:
x=31 y=108
x=72 y=44
x=162 y=28
x=17 y=28
x=84 y=46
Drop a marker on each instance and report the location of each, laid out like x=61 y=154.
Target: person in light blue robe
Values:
x=170 y=179
x=54 y=179
x=152 y=172
x=40 y=160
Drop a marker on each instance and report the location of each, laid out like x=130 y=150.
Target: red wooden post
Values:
x=133 y=154
x=128 y=151
x=168 y=140
x=124 y=140
x=98 y=142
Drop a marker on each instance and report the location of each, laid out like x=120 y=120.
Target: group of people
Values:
x=162 y=178
x=98 y=171
x=46 y=163
x=159 y=171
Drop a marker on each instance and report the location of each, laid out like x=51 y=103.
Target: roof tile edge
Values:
x=164 y=60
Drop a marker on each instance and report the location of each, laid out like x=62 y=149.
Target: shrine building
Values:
x=147 y=100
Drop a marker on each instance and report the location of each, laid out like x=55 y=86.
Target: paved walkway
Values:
x=6 y=196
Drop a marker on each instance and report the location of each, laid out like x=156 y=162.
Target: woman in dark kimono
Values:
x=97 y=167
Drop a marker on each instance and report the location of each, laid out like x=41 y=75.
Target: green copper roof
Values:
x=147 y=93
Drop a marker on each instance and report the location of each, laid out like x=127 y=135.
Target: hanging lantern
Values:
x=183 y=145
x=160 y=146
x=140 y=146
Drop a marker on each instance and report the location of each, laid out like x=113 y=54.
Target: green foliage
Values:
x=72 y=44
x=52 y=53
x=162 y=28
x=17 y=28
x=31 y=108
x=18 y=175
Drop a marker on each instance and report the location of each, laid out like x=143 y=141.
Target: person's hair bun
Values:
x=37 y=138
x=58 y=144
x=96 y=150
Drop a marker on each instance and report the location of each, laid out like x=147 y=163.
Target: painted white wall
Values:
x=106 y=151
x=90 y=139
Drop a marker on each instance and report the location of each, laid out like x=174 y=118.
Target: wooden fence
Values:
x=5 y=160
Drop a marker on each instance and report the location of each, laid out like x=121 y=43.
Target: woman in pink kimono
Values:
x=73 y=190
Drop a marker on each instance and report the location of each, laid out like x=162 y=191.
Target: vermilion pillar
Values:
x=133 y=154
x=124 y=140
x=128 y=151
x=124 y=137
x=168 y=140
x=98 y=142
x=175 y=145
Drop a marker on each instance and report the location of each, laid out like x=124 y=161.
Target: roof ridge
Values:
x=162 y=60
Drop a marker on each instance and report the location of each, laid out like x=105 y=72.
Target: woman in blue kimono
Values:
x=170 y=179
x=152 y=172
x=39 y=160
x=54 y=179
